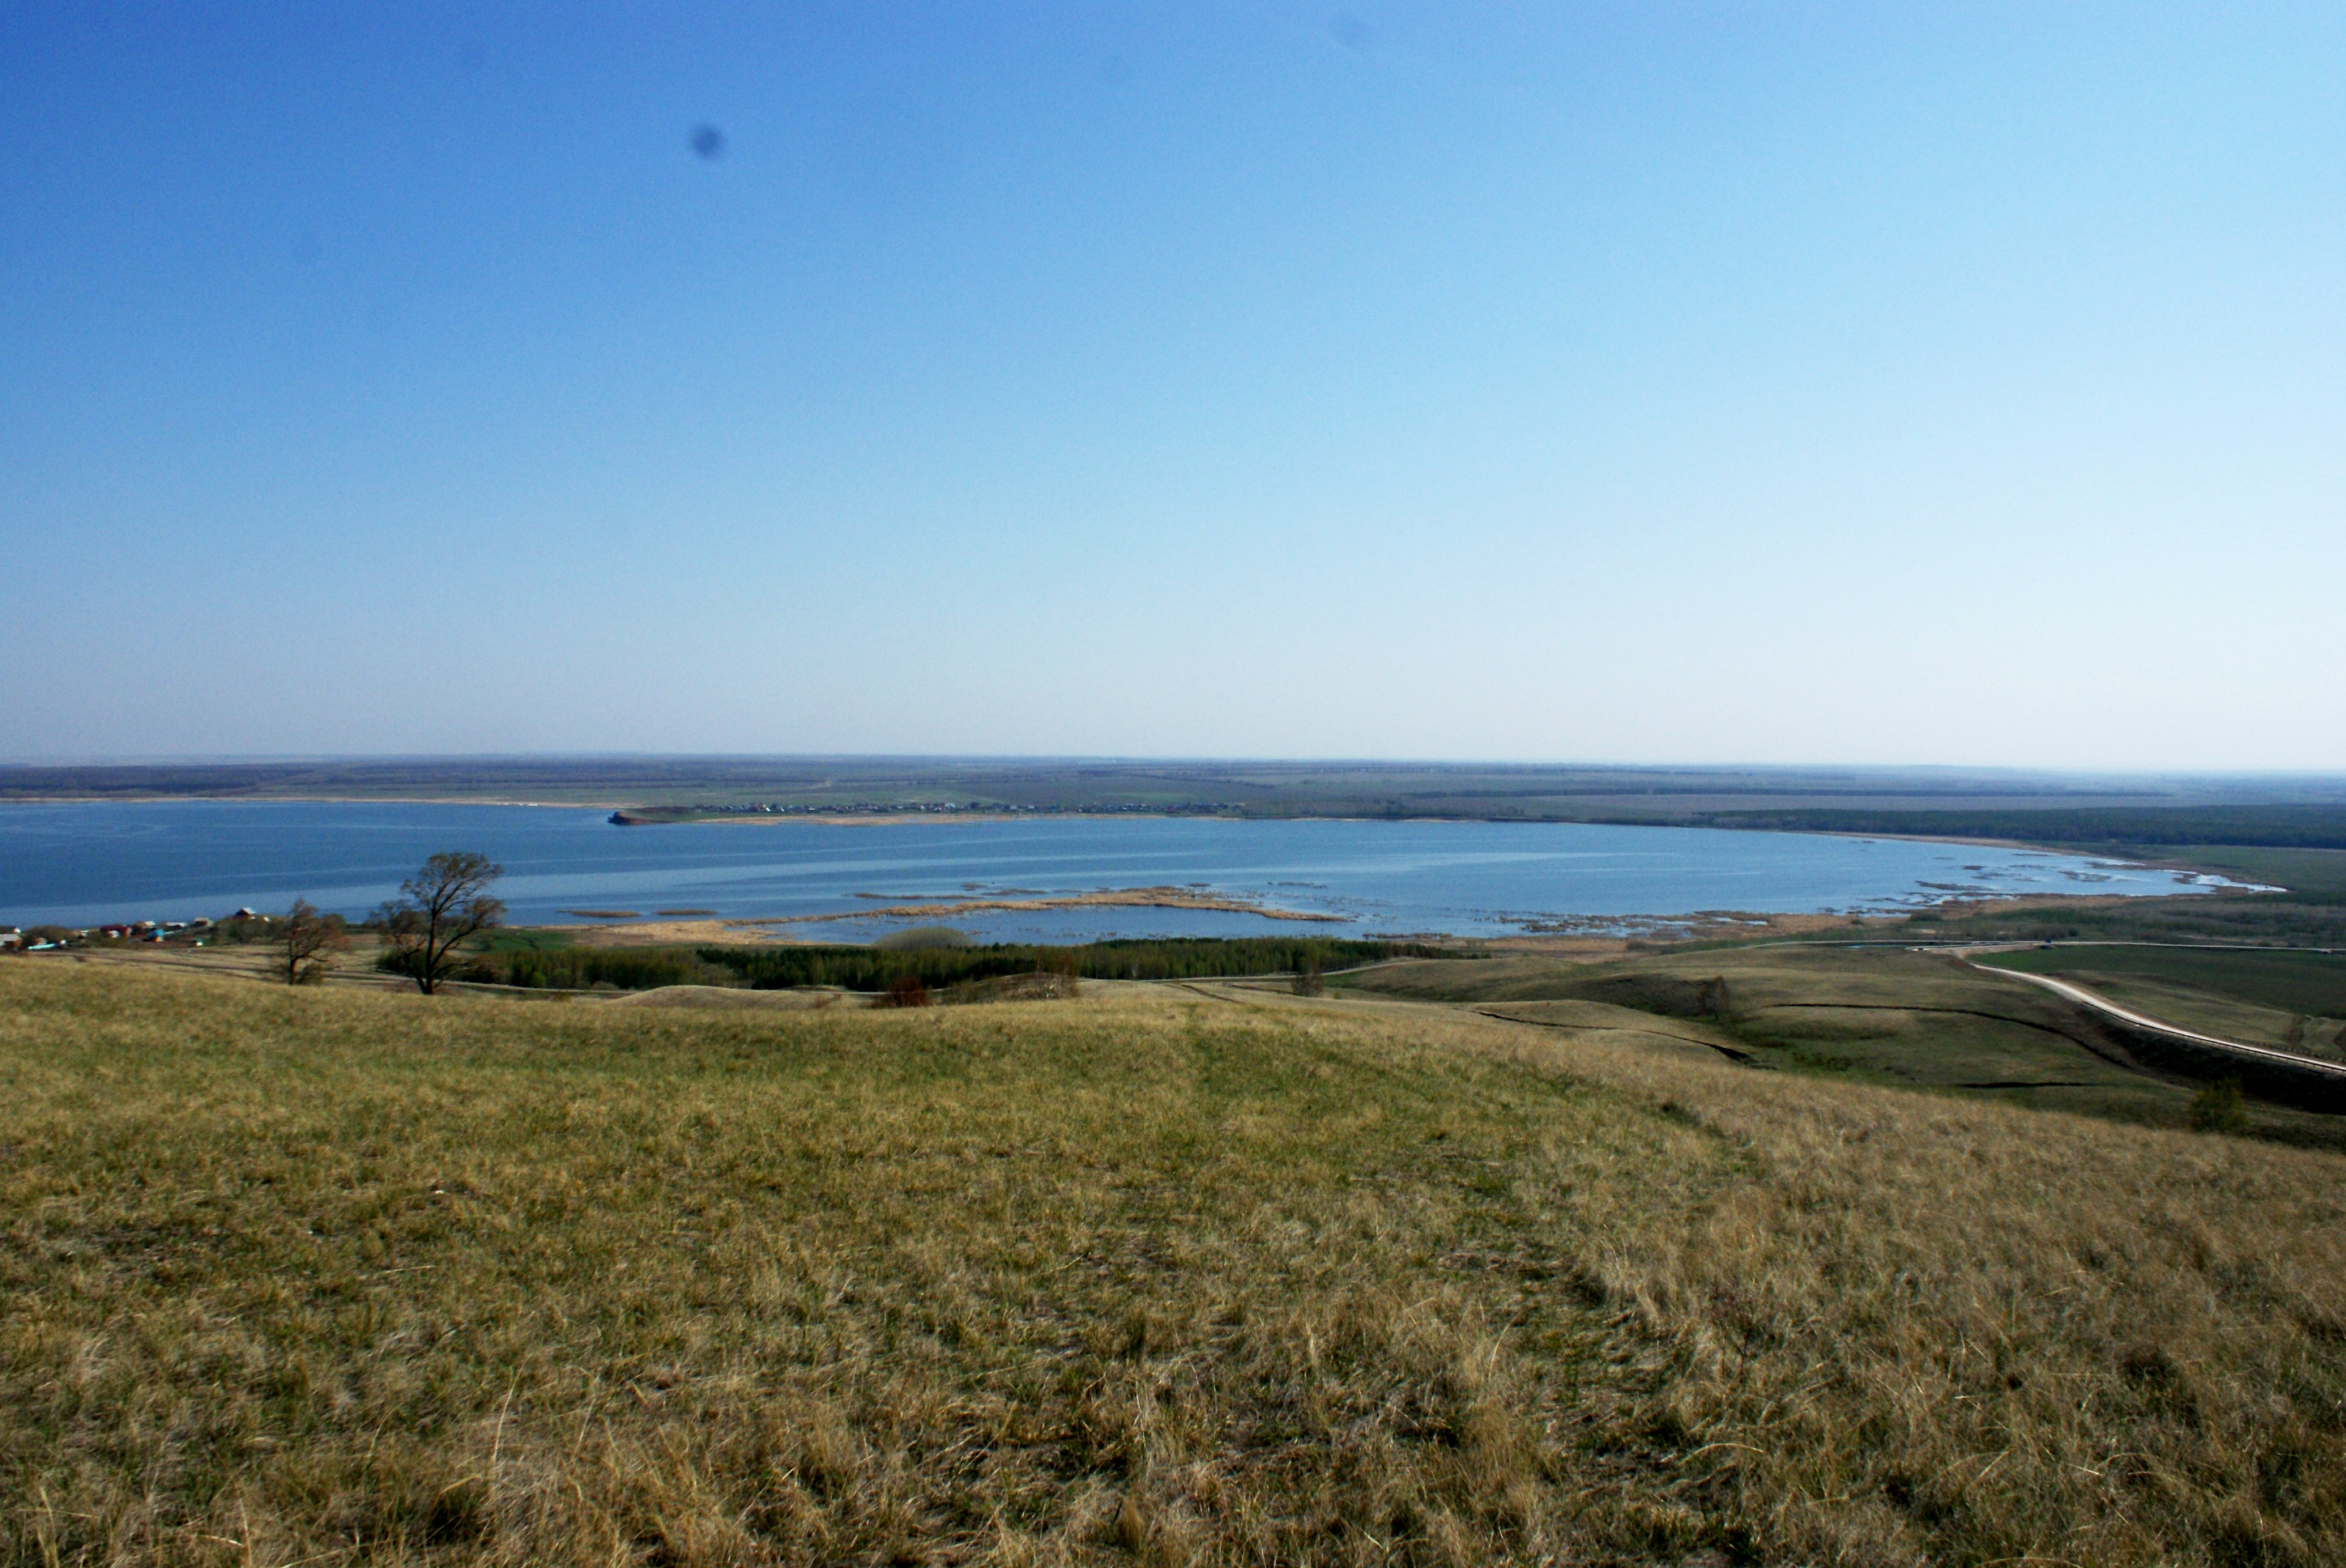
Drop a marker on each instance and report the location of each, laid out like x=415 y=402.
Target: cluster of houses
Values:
x=46 y=939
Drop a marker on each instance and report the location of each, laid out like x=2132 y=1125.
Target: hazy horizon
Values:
x=1600 y=386
x=1729 y=767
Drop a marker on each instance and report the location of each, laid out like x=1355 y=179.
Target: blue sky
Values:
x=1952 y=384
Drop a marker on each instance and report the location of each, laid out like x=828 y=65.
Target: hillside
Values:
x=1181 y=1272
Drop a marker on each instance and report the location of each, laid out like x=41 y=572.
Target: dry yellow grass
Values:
x=338 y=1276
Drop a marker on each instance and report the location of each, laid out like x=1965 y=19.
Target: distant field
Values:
x=2293 y=982
x=2311 y=912
x=2281 y=824
x=1872 y=1014
x=1166 y=1274
x=2309 y=876
x=1880 y=801
x=2295 y=1001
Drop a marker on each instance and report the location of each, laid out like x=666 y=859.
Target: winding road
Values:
x=2102 y=1004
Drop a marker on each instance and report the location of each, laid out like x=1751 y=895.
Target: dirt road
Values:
x=2102 y=1004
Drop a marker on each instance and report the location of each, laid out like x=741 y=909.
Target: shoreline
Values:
x=2191 y=879
x=1572 y=933
x=877 y=819
x=761 y=929
x=1583 y=933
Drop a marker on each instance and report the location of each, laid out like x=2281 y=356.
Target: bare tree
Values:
x=908 y=991
x=1306 y=982
x=444 y=904
x=306 y=937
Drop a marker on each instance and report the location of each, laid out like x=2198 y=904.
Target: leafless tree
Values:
x=445 y=902
x=1306 y=982
x=908 y=991
x=305 y=936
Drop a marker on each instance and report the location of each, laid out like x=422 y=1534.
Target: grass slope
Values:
x=331 y=1277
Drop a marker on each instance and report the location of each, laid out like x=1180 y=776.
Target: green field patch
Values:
x=2307 y=875
x=1924 y=1019
x=524 y=938
x=2296 y=983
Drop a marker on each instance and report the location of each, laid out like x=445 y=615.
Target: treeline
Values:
x=2088 y=826
x=579 y=969
x=877 y=969
x=1200 y=958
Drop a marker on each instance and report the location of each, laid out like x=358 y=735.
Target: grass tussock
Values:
x=300 y=1275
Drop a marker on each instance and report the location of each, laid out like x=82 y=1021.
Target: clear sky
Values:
x=1867 y=383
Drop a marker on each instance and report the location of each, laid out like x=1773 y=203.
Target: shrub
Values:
x=2218 y=1108
x=922 y=939
x=907 y=991
x=1308 y=980
x=1711 y=1000
x=1043 y=985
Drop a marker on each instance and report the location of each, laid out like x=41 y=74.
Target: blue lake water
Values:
x=81 y=864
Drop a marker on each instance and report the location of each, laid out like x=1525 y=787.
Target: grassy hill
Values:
x=1172 y=1273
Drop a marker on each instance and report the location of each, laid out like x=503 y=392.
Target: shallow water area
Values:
x=79 y=864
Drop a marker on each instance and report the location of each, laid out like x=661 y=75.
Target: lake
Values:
x=82 y=864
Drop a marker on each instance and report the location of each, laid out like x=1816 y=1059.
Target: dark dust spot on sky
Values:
x=709 y=142
x=1350 y=31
